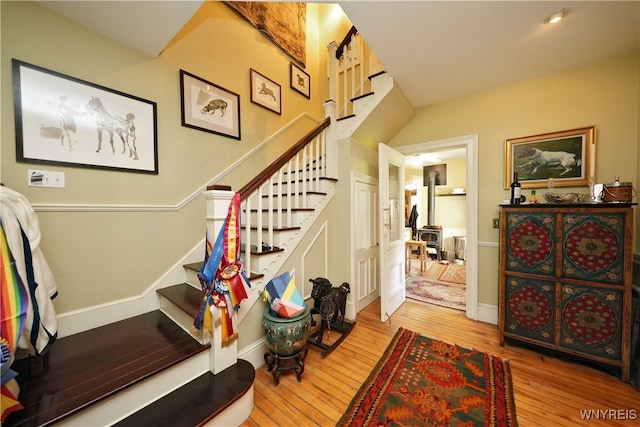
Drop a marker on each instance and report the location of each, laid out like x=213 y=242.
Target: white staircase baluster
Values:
x=279 y=198
x=305 y=174
x=296 y=183
x=360 y=51
x=289 y=199
x=270 y=241
x=345 y=93
x=316 y=163
x=259 y=220
x=352 y=70
x=323 y=154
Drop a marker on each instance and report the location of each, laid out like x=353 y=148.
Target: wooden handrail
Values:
x=347 y=39
x=263 y=176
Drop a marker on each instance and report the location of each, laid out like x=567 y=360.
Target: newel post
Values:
x=331 y=139
x=217 y=206
x=333 y=70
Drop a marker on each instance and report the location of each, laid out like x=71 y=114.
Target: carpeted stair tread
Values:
x=197 y=401
x=87 y=367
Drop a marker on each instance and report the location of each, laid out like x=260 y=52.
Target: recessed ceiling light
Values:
x=556 y=17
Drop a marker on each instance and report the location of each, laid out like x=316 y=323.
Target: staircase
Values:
x=147 y=369
x=100 y=376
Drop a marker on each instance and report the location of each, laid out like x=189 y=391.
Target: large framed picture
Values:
x=566 y=156
x=209 y=107
x=265 y=92
x=64 y=120
x=300 y=81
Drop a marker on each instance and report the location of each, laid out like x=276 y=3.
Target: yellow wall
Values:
x=99 y=257
x=118 y=252
x=604 y=94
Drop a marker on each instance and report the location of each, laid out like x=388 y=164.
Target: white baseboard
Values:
x=254 y=353
x=73 y=322
x=488 y=313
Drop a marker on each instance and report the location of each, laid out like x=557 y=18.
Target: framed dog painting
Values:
x=567 y=156
x=209 y=107
x=265 y=92
x=299 y=80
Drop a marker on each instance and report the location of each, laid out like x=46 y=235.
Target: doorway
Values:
x=469 y=145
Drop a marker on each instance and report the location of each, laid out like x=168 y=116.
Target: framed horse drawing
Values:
x=64 y=120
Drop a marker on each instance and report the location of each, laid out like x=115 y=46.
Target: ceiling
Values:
x=145 y=25
x=440 y=50
x=435 y=50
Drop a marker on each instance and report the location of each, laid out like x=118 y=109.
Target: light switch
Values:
x=40 y=178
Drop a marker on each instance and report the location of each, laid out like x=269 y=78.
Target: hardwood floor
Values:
x=549 y=391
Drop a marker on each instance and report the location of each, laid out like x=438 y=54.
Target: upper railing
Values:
x=351 y=63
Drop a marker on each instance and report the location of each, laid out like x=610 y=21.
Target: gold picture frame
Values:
x=567 y=156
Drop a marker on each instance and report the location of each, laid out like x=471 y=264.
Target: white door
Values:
x=391 y=214
x=365 y=226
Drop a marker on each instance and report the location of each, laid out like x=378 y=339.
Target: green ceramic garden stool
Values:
x=286 y=340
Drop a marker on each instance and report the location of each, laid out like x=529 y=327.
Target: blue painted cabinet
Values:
x=565 y=279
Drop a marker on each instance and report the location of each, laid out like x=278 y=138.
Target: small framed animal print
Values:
x=300 y=81
x=265 y=92
x=67 y=121
x=209 y=107
x=566 y=156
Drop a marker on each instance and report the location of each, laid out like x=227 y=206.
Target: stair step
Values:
x=83 y=369
x=365 y=95
x=346 y=117
x=318 y=193
x=300 y=180
x=186 y=297
x=379 y=73
x=196 y=266
x=276 y=229
x=197 y=401
x=292 y=209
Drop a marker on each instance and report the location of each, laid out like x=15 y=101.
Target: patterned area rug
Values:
x=454 y=273
x=423 y=382
x=445 y=294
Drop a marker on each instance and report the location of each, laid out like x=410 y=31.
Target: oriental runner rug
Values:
x=424 y=382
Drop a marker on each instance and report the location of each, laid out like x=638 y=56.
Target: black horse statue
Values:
x=329 y=302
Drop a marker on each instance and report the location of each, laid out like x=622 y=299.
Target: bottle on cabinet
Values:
x=516 y=190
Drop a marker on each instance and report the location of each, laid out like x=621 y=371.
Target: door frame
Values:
x=470 y=144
